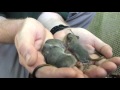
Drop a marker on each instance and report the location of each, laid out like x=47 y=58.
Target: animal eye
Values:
x=77 y=37
x=70 y=38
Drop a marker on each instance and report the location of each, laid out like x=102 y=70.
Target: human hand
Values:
x=29 y=41
x=91 y=43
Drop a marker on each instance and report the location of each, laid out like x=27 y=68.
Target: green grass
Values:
x=106 y=26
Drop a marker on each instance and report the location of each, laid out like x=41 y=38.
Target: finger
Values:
x=95 y=72
x=85 y=76
x=40 y=61
x=53 y=72
x=100 y=62
x=29 y=53
x=26 y=47
x=110 y=65
x=79 y=73
x=116 y=60
x=103 y=48
x=39 y=42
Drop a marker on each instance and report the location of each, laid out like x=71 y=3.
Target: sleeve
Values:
x=80 y=19
x=2 y=14
x=63 y=14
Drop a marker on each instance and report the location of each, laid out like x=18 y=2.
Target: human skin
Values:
x=89 y=41
x=29 y=36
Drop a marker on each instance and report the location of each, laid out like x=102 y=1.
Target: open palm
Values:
x=91 y=43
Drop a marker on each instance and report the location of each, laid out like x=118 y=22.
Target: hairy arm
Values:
x=9 y=28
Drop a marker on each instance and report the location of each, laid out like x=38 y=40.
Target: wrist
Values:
x=16 y=29
x=8 y=29
x=51 y=19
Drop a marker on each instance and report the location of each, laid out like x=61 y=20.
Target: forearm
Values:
x=51 y=19
x=8 y=29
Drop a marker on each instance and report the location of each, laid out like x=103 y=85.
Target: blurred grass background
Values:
x=106 y=26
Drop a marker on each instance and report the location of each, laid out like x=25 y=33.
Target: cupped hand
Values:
x=92 y=44
x=29 y=42
x=32 y=36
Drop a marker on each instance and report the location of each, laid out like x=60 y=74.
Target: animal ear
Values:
x=77 y=37
x=68 y=33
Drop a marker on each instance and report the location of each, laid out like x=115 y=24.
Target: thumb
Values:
x=29 y=57
x=26 y=48
x=29 y=53
x=103 y=48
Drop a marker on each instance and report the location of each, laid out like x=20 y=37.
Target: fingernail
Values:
x=27 y=58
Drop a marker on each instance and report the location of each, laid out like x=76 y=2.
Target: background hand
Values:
x=91 y=43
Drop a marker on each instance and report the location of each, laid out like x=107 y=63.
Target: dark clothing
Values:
x=18 y=15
